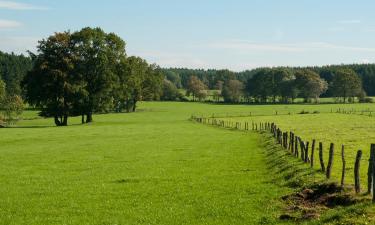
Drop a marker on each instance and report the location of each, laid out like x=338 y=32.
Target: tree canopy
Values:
x=88 y=72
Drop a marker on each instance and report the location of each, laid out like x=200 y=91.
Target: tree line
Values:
x=281 y=84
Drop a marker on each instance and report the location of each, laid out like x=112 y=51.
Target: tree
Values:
x=259 y=86
x=2 y=90
x=170 y=91
x=13 y=68
x=50 y=85
x=97 y=57
x=346 y=83
x=12 y=107
x=232 y=91
x=152 y=83
x=196 y=88
x=310 y=85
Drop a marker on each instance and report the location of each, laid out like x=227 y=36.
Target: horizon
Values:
x=237 y=35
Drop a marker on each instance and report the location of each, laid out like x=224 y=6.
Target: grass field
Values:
x=150 y=167
x=354 y=131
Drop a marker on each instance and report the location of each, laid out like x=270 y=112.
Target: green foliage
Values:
x=87 y=72
x=2 y=90
x=310 y=85
x=51 y=84
x=196 y=88
x=346 y=84
x=232 y=91
x=170 y=91
x=13 y=68
x=12 y=107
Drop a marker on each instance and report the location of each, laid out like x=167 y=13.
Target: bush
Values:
x=304 y=112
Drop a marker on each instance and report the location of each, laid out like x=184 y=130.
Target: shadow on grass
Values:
x=288 y=170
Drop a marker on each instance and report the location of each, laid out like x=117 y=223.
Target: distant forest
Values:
x=180 y=76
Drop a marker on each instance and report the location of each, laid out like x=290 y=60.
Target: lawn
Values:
x=150 y=167
x=354 y=131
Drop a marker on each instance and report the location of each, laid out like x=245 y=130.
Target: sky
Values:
x=219 y=34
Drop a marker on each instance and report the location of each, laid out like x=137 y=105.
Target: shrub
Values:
x=304 y=112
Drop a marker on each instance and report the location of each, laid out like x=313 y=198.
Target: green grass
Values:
x=150 y=167
x=354 y=131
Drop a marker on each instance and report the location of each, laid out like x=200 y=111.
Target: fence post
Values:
x=373 y=171
x=369 y=172
x=307 y=152
x=343 y=166
x=296 y=146
x=312 y=154
x=321 y=157
x=330 y=161
x=302 y=147
x=357 y=184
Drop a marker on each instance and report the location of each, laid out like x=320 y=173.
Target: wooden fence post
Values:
x=307 y=152
x=312 y=154
x=321 y=157
x=357 y=184
x=369 y=171
x=373 y=172
x=343 y=166
x=302 y=149
x=296 y=146
x=330 y=161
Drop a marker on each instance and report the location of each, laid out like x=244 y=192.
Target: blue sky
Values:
x=234 y=34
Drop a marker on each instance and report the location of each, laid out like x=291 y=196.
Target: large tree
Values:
x=346 y=83
x=232 y=91
x=97 y=57
x=196 y=88
x=259 y=86
x=50 y=84
x=310 y=85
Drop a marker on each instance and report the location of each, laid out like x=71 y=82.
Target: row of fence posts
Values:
x=300 y=149
x=353 y=111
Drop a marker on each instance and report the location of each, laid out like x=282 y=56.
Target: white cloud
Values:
x=349 y=21
x=19 y=6
x=5 y=24
x=241 y=45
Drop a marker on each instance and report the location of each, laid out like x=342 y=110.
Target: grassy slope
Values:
x=152 y=167
x=355 y=131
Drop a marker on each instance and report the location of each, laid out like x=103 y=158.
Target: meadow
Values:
x=157 y=167
x=355 y=130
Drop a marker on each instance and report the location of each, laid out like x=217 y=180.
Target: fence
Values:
x=294 y=144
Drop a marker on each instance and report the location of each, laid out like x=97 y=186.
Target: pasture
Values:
x=157 y=167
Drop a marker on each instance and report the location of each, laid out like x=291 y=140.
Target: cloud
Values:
x=349 y=21
x=19 y=6
x=5 y=24
x=241 y=45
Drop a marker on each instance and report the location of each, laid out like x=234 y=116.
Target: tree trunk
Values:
x=57 y=121
x=83 y=118
x=89 y=117
x=65 y=121
x=134 y=105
